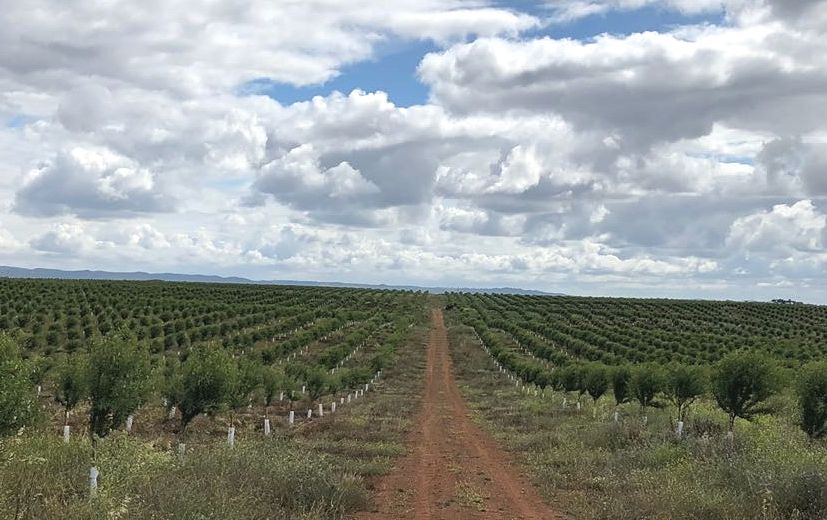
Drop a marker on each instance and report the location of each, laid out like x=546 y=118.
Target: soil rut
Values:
x=454 y=470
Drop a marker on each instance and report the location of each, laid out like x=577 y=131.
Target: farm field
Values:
x=623 y=408
x=217 y=401
x=165 y=374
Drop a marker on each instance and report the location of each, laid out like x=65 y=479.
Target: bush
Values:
x=741 y=382
x=812 y=399
x=17 y=407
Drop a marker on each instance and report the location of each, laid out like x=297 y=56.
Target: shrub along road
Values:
x=454 y=470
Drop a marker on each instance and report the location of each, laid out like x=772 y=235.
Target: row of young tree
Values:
x=116 y=376
x=616 y=331
x=59 y=316
x=741 y=383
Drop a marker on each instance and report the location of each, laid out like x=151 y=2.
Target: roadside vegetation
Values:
x=735 y=434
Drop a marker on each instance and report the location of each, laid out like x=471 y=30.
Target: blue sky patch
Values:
x=19 y=121
x=393 y=69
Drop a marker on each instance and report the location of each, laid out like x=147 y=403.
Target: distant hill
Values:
x=20 y=272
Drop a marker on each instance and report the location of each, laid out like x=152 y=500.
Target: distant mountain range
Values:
x=20 y=272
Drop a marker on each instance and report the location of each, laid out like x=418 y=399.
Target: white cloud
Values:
x=644 y=88
x=626 y=161
x=796 y=227
x=89 y=182
x=64 y=238
x=567 y=10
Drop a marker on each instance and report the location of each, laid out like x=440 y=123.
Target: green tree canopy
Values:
x=621 y=379
x=207 y=378
x=742 y=382
x=17 y=406
x=684 y=384
x=647 y=381
x=596 y=380
x=812 y=399
x=72 y=382
x=119 y=377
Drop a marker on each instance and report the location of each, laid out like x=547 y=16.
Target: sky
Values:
x=667 y=148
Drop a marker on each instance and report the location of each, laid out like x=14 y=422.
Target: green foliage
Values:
x=596 y=380
x=272 y=383
x=170 y=382
x=245 y=378
x=571 y=378
x=618 y=331
x=741 y=383
x=621 y=380
x=812 y=399
x=647 y=381
x=208 y=377
x=39 y=368
x=119 y=377
x=17 y=407
x=684 y=384
x=318 y=382
x=353 y=377
x=72 y=382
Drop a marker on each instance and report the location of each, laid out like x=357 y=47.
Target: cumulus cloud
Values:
x=197 y=47
x=794 y=167
x=64 y=238
x=645 y=88
x=647 y=159
x=785 y=228
x=298 y=179
x=89 y=182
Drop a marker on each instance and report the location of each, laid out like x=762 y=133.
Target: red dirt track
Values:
x=454 y=469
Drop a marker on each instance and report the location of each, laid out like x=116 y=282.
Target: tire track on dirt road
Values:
x=454 y=470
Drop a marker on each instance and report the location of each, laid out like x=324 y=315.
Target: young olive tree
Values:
x=207 y=377
x=40 y=367
x=119 y=377
x=596 y=380
x=570 y=378
x=170 y=383
x=246 y=378
x=684 y=385
x=17 y=406
x=71 y=383
x=621 y=379
x=272 y=382
x=812 y=399
x=742 y=382
x=318 y=382
x=646 y=383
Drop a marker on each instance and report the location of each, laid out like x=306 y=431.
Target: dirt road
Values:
x=454 y=470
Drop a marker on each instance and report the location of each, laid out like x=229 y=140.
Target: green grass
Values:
x=588 y=465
